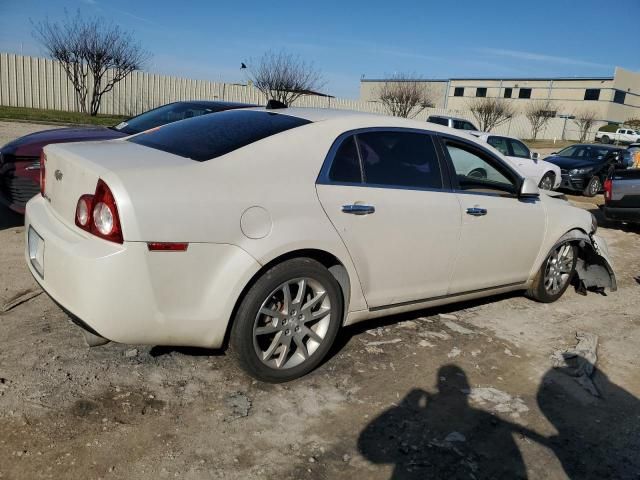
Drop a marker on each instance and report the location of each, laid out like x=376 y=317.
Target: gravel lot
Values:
x=466 y=391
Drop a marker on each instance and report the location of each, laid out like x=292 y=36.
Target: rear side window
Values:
x=399 y=159
x=346 y=164
x=210 y=136
x=439 y=121
x=462 y=125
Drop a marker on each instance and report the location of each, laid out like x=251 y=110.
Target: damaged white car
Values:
x=270 y=229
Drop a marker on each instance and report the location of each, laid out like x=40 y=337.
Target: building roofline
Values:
x=509 y=79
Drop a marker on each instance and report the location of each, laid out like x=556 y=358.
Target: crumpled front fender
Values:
x=594 y=266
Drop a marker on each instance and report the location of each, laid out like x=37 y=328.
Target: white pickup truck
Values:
x=622 y=135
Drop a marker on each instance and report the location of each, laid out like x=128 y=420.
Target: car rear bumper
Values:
x=622 y=214
x=127 y=294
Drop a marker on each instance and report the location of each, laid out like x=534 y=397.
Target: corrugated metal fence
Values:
x=35 y=82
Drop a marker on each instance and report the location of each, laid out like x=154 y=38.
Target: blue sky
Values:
x=207 y=39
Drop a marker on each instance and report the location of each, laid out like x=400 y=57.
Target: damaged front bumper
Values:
x=593 y=267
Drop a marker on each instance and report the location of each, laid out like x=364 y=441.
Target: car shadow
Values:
x=443 y=435
x=347 y=333
x=159 y=351
x=9 y=218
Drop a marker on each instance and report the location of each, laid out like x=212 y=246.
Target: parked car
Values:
x=546 y=175
x=622 y=196
x=622 y=135
x=452 y=122
x=20 y=159
x=584 y=167
x=274 y=228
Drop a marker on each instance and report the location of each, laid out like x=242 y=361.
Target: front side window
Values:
x=500 y=144
x=399 y=159
x=477 y=171
x=519 y=149
x=463 y=125
x=592 y=94
x=481 y=92
x=524 y=93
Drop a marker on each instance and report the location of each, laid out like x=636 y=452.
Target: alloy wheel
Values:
x=292 y=323
x=547 y=182
x=558 y=269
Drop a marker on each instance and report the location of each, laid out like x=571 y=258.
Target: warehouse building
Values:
x=615 y=99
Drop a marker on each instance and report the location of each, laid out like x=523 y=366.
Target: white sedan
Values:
x=545 y=174
x=274 y=228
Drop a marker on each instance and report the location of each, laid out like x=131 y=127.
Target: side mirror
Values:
x=529 y=189
x=535 y=156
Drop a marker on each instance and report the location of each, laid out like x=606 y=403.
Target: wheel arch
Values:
x=332 y=263
x=593 y=268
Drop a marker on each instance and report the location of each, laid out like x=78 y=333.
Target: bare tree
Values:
x=284 y=77
x=585 y=121
x=95 y=55
x=405 y=96
x=633 y=123
x=539 y=113
x=491 y=112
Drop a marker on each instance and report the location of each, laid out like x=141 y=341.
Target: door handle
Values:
x=477 y=211
x=357 y=209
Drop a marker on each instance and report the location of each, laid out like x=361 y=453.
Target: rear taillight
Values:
x=98 y=214
x=43 y=161
x=83 y=211
x=608 y=185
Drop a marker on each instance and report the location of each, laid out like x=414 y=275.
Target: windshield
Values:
x=584 y=152
x=163 y=115
x=211 y=136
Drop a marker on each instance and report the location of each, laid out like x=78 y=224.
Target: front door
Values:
x=384 y=192
x=501 y=234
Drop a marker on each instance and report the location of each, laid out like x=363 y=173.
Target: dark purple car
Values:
x=20 y=159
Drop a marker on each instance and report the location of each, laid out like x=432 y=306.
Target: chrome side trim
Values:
x=452 y=295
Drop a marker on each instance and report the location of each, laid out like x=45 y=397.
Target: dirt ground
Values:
x=466 y=391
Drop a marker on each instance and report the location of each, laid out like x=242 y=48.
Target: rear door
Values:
x=385 y=193
x=501 y=234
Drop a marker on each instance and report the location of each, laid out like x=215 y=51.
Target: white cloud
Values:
x=539 y=57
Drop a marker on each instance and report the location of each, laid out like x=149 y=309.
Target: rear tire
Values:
x=593 y=187
x=555 y=274
x=306 y=308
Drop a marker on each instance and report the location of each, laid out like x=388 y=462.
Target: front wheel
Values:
x=605 y=139
x=547 y=182
x=593 y=187
x=287 y=321
x=555 y=274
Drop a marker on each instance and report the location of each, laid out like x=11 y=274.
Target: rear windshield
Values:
x=210 y=136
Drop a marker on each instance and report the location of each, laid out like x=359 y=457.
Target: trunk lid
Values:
x=73 y=170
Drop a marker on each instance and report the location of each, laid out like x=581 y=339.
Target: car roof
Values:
x=351 y=119
x=599 y=145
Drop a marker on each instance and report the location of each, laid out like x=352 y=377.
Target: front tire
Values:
x=548 y=181
x=287 y=321
x=605 y=139
x=555 y=274
x=593 y=187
